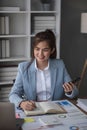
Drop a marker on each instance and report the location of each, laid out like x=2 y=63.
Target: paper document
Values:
x=82 y=103
x=50 y=120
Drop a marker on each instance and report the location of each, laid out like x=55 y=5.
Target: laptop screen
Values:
x=7 y=116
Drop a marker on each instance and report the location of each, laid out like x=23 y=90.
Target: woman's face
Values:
x=42 y=51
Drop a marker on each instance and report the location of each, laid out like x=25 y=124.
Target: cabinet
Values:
x=22 y=27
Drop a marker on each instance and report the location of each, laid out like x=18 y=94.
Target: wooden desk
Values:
x=73 y=117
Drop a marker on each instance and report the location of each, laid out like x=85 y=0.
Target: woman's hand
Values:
x=27 y=105
x=68 y=87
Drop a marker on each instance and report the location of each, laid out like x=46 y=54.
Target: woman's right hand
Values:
x=27 y=105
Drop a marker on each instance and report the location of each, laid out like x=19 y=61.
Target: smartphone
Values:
x=76 y=80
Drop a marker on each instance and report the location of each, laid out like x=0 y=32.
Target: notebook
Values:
x=7 y=116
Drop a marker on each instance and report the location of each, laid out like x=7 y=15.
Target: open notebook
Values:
x=48 y=107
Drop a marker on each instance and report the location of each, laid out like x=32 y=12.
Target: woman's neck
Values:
x=42 y=65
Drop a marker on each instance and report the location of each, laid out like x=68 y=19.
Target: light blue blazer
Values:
x=25 y=83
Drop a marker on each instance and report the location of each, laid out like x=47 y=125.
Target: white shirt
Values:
x=43 y=84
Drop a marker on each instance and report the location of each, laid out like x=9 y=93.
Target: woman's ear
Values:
x=52 y=50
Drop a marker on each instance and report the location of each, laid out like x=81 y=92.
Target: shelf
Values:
x=36 y=12
x=23 y=25
x=6 y=82
x=14 y=59
x=14 y=36
x=14 y=12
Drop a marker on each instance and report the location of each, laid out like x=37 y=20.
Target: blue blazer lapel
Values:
x=32 y=78
x=53 y=74
x=33 y=83
x=53 y=80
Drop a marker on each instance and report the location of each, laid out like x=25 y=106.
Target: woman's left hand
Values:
x=68 y=87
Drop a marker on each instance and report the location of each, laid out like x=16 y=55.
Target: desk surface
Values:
x=73 y=117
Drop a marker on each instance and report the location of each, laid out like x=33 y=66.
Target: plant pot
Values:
x=46 y=7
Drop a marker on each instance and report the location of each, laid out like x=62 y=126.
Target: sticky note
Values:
x=29 y=119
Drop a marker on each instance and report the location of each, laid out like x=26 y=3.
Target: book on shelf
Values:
x=7 y=78
x=6 y=24
x=10 y=73
x=5 y=91
x=44 y=25
x=6 y=99
x=7 y=53
x=82 y=103
x=40 y=30
x=9 y=8
x=5 y=95
x=6 y=88
x=0 y=49
x=44 y=17
x=43 y=29
x=3 y=49
x=44 y=22
x=8 y=69
x=2 y=25
x=48 y=107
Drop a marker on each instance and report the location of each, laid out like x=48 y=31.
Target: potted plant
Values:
x=46 y=4
x=45 y=1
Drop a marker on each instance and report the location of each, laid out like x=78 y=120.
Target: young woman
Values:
x=44 y=77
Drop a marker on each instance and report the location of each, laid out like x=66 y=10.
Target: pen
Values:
x=32 y=103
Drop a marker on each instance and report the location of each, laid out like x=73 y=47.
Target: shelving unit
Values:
x=54 y=10
x=22 y=29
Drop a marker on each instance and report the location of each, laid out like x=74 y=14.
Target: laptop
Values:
x=7 y=116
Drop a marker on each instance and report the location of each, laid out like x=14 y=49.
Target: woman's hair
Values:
x=47 y=36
